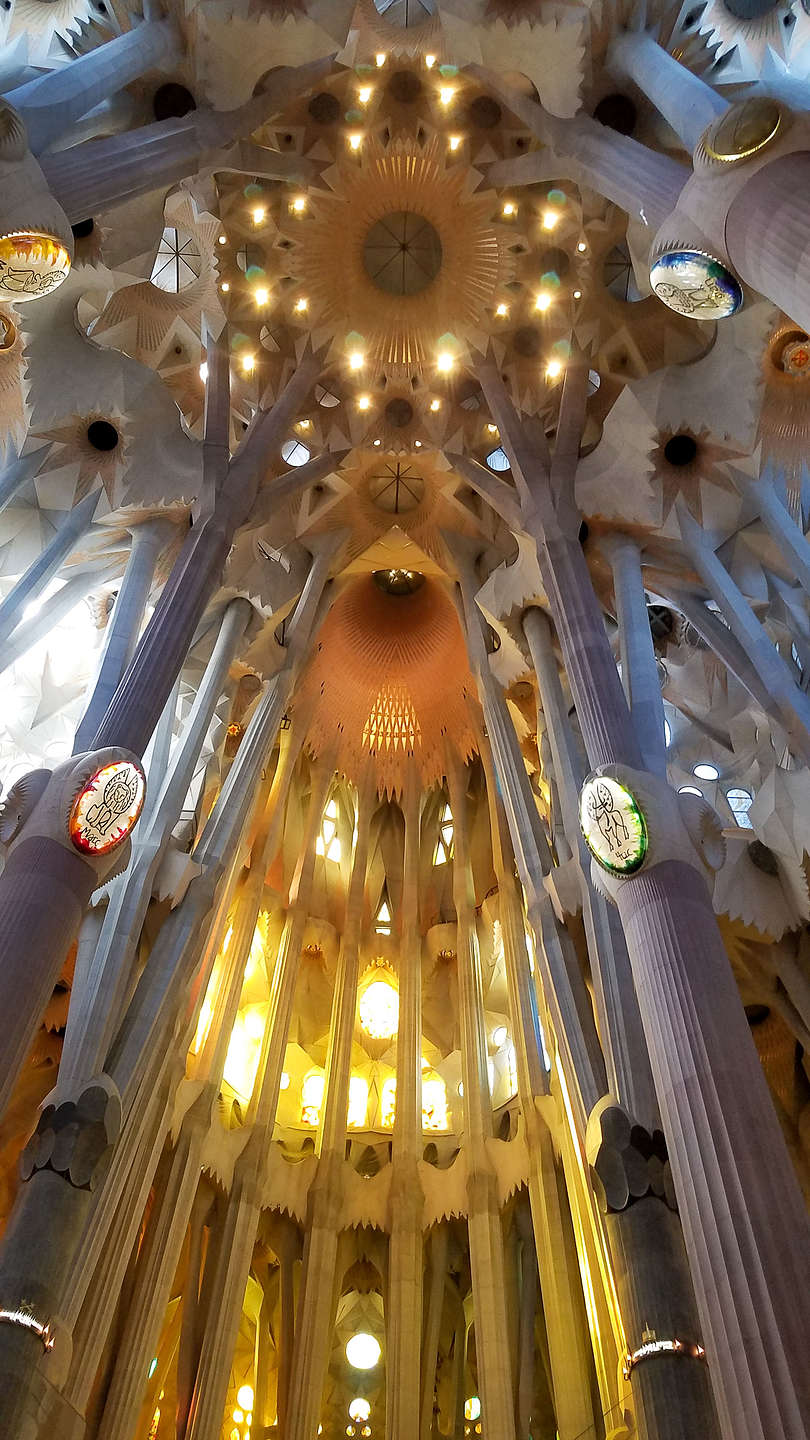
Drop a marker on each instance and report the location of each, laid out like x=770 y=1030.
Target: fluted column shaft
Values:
x=483 y=1213
x=406 y=1251
x=628 y=1065
x=642 y=685
x=732 y=1173
x=236 y=1247
x=314 y=1323
x=768 y=234
x=122 y=630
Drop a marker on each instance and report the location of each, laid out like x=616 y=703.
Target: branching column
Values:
x=483 y=1211
x=406 y=1249
x=315 y=1320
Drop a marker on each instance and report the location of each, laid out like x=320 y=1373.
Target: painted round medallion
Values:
x=695 y=284
x=107 y=809
x=614 y=827
x=744 y=130
x=31 y=265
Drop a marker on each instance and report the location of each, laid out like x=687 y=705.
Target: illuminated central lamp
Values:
x=363 y=1351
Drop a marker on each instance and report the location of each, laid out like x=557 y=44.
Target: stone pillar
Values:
x=483 y=1212
x=768 y=230
x=50 y=104
x=686 y=102
x=244 y=1203
x=626 y=1058
x=33 y=582
x=406 y=1248
x=148 y=540
x=315 y=1320
x=642 y=685
x=96 y=1005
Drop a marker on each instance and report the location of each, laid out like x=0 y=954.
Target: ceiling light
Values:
x=502 y=310
x=378 y=442
x=301 y=304
x=435 y=405
x=225 y=287
x=550 y=218
x=446 y=94
x=554 y=369
x=363 y=402
x=303 y=424
x=262 y=295
x=455 y=141
x=706 y=772
x=444 y=361
x=259 y=214
x=359 y=1409
x=577 y=294
x=418 y=444
x=363 y=1351
x=430 y=61
x=499 y=1034
x=248 y=362
x=299 y=204
x=509 y=207
x=380 y=59
x=223 y=239
x=244 y=1397
x=543 y=301
x=364 y=94
x=582 y=247
x=356 y=360
x=355 y=141
x=493 y=429
x=204 y=370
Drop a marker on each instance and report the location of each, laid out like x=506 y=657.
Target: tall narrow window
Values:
x=388 y=1103
x=434 y=1102
x=444 y=844
x=358 y=1102
x=312 y=1098
x=382 y=923
x=740 y=802
x=327 y=843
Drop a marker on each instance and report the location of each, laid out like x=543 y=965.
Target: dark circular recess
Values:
x=171 y=101
x=557 y=260
x=484 y=112
x=662 y=621
x=618 y=112
x=757 y=1014
x=750 y=9
x=402 y=253
x=405 y=87
x=324 y=108
x=763 y=857
x=527 y=341
x=680 y=450
x=102 y=435
x=399 y=412
x=398 y=582
x=82 y=229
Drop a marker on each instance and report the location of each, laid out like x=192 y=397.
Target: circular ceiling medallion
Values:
x=614 y=828
x=106 y=810
x=695 y=284
x=31 y=264
x=402 y=253
x=796 y=358
x=744 y=130
x=396 y=488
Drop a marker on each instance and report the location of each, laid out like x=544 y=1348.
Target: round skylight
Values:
x=402 y=253
x=295 y=453
x=705 y=771
x=359 y=1409
x=363 y=1351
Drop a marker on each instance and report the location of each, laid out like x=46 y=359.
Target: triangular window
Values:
x=327 y=843
x=444 y=844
